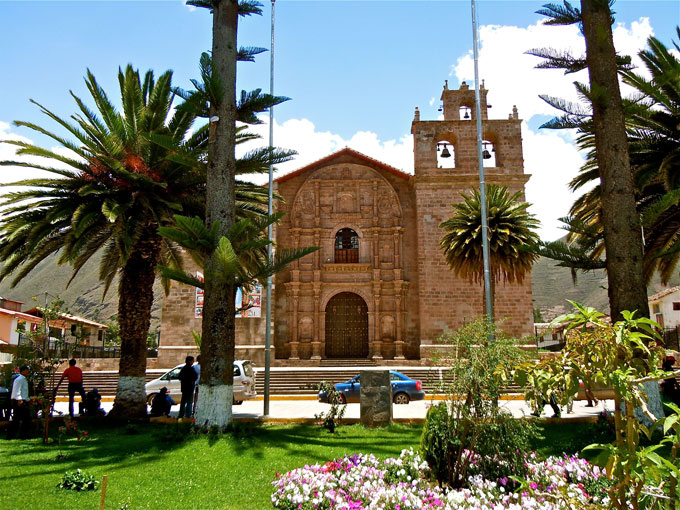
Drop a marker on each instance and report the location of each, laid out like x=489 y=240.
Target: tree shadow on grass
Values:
x=108 y=444
x=144 y=444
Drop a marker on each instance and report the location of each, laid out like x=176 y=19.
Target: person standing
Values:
x=75 y=384
x=21 y=416
x=197 y=367
x=187 y=379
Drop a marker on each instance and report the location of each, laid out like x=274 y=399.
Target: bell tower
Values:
x=446 y=165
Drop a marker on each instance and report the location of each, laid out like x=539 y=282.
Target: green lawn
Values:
x=152 y=469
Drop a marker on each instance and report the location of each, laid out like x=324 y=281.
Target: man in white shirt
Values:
x=21 y=418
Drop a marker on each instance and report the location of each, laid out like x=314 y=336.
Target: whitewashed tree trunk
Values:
x=653 y=404
x=214 y=406
x=127 y=395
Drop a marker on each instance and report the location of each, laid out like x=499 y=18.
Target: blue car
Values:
x=404 y=389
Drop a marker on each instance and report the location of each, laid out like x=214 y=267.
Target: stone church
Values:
x=379 y=287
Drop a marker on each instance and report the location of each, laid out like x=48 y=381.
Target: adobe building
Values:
x=379 y=287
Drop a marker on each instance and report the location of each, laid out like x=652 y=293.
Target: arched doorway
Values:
x=346 y=326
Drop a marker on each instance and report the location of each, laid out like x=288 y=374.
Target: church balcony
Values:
x=347 y=272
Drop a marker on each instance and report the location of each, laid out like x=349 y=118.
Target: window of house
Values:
x=346 y=246
x=676 y=305
x=656 y=308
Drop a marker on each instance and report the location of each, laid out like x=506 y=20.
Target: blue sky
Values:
x=355 y=70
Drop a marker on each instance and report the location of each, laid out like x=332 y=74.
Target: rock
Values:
x=375 y=398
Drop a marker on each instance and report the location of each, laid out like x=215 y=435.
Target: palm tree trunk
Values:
x=620 y=219
x=218 y=333
x=135 y=298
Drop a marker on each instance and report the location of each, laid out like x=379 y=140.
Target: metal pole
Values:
x=46 y=343
x=268 y=331
x=482 y=183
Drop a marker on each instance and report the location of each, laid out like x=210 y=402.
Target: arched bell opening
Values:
x=446 y=154
x=489 y=153
x=465 y=113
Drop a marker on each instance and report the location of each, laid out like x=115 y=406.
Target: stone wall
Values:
x=176 y=341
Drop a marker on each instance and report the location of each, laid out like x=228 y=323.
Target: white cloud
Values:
x=511 y=78
x=9 y=174
x=301 y=135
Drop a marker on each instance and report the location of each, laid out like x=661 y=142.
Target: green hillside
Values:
x=82 y=297
x=552 y=286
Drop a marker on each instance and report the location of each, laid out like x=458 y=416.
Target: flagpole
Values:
x=482 y=183
x=270 y=248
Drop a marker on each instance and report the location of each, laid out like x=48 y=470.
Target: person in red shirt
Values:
x=75 y=384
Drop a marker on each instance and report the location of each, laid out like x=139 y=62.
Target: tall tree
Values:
x=618 y=213
x=620 y=220
x=511 y=229
x=218 y=330
x=652 y=115
x=111 y=192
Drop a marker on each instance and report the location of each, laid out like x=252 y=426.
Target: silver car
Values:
x=244 y=383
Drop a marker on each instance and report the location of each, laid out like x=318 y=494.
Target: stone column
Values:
x=397 y=237
x=322 y=333
x=316 y=344
x=399 y=343
x=294 y=327
x=375 y=350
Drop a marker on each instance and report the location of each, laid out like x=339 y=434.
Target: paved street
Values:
x=301 y=408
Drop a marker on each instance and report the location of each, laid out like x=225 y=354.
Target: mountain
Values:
x=552 y=286
x=84 y=296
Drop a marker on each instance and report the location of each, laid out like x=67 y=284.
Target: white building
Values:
x=664 y=307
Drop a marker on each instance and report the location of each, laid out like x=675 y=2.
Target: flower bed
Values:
x=364 y=482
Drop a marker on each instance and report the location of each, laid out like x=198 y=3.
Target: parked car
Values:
x=404 y=389
x=244 y=383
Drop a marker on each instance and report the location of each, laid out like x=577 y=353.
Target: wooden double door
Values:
x=346 y=326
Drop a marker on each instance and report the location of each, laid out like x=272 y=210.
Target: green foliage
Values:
x=78 y=481
x=511 y=227
x=241 y=256
x=331 y=419
x=470 y=420
x=502 y=444
x=538 y=316
x=474 y=366
x=652 y=115
x=622 y=356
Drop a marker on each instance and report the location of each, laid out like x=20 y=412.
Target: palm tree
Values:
x=218 y=329
x=242 y=255
x=654 y=146
x=510 y=232
x=111 y=192
x=134 y=171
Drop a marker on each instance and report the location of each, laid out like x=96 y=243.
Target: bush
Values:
x=78 y=481
x=495 y=447
x=502 y=444
x=438 y=444
x=331 y=419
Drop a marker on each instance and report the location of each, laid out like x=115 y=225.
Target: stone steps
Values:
x=282 y=381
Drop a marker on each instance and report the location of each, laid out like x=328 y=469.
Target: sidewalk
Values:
x=302 y=408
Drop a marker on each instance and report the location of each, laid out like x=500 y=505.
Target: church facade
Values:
x=378 y=288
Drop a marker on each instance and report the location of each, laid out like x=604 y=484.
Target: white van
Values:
x=244 y=383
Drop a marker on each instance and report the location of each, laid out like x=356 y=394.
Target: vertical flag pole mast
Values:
x=482 y=183
x=268 y=325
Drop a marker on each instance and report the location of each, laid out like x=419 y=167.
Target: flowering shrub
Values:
x=362 y=482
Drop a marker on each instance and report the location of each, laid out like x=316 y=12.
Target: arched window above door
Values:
x=346 y=246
